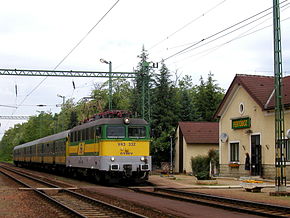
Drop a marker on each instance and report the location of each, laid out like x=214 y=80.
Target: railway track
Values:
x=243 y=206
x=72 y=203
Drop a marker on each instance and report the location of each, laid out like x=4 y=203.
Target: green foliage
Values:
x=144 y=72
x=121 y=93
x=185 y=97
x=164 y=114
x=200 y=167
x=170 y=103
x=207 y=98
x=37 y=127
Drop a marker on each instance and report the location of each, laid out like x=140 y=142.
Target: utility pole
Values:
x=145 y=91
x=63 y=102
x=110 y=82
x=280 y=141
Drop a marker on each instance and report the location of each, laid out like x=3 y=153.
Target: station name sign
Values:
x=241 y=123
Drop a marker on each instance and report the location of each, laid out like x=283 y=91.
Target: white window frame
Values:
x=229 y=151
x=242 y=111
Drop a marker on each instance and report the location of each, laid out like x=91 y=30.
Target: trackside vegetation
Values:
x=172 y=98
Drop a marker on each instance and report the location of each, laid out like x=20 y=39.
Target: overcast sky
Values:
x=39 y=34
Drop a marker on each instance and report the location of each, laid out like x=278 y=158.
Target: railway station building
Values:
x=193 y=139
x=247 y=125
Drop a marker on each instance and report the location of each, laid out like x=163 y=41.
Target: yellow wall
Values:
x=262 y=122
x=189 y=151
x=193 y=150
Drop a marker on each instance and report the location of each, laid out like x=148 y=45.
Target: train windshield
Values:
x=137 y=132
x=116 y=132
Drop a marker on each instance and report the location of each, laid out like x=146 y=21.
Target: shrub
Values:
x=200 y=167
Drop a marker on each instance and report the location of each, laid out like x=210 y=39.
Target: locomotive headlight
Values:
x=142 y=158
x=112 y=159
x=126 y=120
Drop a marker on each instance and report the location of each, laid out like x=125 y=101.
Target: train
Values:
x=110 y=147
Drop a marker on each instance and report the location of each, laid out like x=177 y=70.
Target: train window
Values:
x=74 y=134
x=91 y=133
x=71 y=137
x=83 y=134
x=137 y=132
x=78 y=136
x=98 y=131
x=115 y=131
x=88 y=133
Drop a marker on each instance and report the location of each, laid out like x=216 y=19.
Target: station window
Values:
x=116 y=132
x=241 y=108
x=137 y=132
x=234 y=152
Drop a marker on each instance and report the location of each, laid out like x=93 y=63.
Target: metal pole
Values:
x=171 y=164
x=110 y=85
x=280 y=143
x=63 y=102
x=110 y=81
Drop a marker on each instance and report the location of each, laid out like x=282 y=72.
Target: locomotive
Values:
x=108 y=147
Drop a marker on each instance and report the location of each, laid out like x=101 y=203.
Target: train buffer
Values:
x=253 y=185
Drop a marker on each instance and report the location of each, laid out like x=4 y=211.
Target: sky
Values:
x=192 y=37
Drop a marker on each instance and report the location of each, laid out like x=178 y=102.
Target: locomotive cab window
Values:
x=116 y=132
x=137 y=132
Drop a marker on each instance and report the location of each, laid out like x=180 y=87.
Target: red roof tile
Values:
x=200 y=132
x=260 y=88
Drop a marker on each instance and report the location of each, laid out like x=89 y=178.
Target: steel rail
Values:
x=43 y=195
x=238 y=205
x=88 y=199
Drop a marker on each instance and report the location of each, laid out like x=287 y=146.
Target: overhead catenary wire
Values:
x=71 y=51
x=212 y=49
x=221 y=31
x=67 y=55
x=187 y=24
x=242 y=35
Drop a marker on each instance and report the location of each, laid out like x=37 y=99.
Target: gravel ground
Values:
x=17 y=203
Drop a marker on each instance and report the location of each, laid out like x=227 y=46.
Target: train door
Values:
x=256 y=156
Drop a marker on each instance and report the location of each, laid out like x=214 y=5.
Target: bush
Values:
x=200 y=167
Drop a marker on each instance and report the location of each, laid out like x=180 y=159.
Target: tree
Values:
x=142 y=79
x=73 y=121
x=122 y=94
x=187 y=111
x=164 y=113
x=207 y=98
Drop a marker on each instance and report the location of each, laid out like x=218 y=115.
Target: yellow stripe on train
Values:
x=112 y=148
x=124 y=148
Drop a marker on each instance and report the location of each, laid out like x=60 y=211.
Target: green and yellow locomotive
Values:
x=107 y=148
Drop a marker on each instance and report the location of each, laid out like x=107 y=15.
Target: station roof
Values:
x=200 y=132
x=260 y=88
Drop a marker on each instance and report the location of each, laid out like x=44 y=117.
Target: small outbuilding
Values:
x=193 y=139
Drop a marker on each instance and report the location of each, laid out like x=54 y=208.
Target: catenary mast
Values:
x=280 y=141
